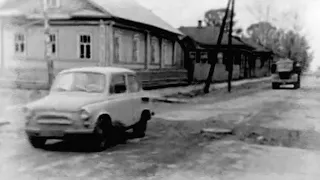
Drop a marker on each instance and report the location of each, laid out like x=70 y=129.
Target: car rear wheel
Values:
x=275 y=86
x=37 y=142
x=296 y=85
x=141 y=127
x=103 y=134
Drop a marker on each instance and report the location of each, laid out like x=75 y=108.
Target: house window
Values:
x=52 y=3
x=19 y=43
x=164 y=52
x=53 y=44
x=237 y=59
x=85 y=46
x=153 y=52
x=220 y=58
x=192 y=55
x=117 y=47
x=204 y=57
x=135 y=48
x=168 y=54
x=154 y=57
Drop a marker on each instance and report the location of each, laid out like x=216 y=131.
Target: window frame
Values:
x=24 y=42
x=55 y=34
x=79 y=45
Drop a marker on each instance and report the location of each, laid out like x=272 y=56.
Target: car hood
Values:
x=65 y=101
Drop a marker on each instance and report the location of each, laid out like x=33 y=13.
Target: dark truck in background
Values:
x=286 y=71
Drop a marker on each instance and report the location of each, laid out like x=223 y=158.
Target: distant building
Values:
x=200 y=44
x=118 y=33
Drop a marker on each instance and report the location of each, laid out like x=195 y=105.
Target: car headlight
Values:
x=84 y=115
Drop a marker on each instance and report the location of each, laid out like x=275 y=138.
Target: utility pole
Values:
x=230 y=50
x=47 y=43
x=213 y=63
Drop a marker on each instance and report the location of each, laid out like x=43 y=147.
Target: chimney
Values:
x=199 y=24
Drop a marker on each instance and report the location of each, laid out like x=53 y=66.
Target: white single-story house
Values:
x=119 y=33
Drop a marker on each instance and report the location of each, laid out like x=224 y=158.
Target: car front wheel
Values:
x=296 y=85
x=103 y=134
x=37 y=142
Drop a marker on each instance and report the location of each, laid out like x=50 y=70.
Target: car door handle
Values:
x=145 y=99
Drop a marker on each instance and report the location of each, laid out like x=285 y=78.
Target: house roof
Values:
x=208 y=35
x=123 y=9
x=133 y=11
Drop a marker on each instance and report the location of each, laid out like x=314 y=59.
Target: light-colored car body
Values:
x=76 y=111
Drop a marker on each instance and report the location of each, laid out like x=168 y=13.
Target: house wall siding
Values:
x=67 y=47
x=31 y=64
x=32 y=67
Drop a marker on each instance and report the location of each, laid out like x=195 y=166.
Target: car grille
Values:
x=284 y=75
x=54 y=118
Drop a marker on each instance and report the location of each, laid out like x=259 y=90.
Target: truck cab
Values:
x=285 y=71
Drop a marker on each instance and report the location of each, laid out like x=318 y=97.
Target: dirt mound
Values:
x=278 y=137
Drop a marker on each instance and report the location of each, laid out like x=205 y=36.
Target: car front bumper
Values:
x=284 y=81
x=56 y=133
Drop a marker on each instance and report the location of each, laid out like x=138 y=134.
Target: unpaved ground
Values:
x=175 y=149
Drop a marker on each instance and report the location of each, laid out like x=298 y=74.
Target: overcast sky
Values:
x=188 y=12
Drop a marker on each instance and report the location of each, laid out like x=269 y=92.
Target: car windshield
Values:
x=80 y=81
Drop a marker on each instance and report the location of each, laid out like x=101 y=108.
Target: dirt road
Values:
x=274 y=137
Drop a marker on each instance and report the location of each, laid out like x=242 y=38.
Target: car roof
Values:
x=103 y=70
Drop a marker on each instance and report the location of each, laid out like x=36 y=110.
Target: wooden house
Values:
x=119 y=33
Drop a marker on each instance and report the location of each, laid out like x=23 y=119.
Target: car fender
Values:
x=97 y=109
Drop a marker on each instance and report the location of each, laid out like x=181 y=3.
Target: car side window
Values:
x=133 y=84
x=118 y=84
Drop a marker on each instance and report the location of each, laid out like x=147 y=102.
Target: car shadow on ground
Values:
x=80 y=144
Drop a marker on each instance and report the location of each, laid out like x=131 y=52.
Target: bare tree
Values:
x=262 y=10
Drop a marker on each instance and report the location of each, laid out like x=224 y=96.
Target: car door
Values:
x=120 y=106
x=134 y=87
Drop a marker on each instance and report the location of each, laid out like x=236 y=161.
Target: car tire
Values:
x=103 y=134
x=275 y=86
x=296 y=85
x=37 y=142
x=140 y=128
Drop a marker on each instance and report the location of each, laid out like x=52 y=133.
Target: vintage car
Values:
x=286 y=71
x=95 y=101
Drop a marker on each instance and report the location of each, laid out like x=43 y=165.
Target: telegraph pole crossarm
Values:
x=221 y=33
